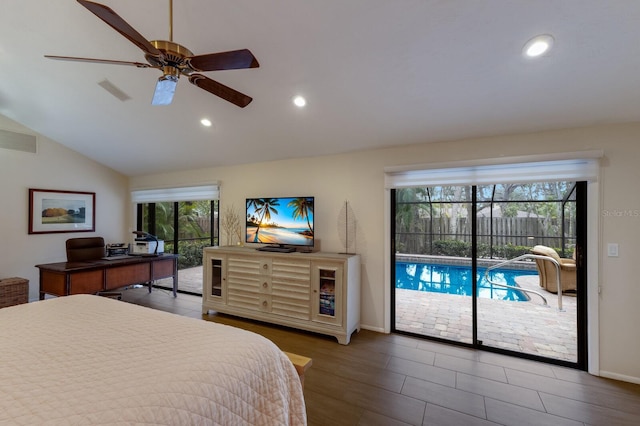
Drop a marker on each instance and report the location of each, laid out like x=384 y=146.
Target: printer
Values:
x=117 y=249
x=147 y=245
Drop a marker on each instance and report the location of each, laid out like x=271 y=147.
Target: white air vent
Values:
x=17 y=141
x=115 y=91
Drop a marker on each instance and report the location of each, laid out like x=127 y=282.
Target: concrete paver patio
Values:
x=189 y=280
x=527 y=327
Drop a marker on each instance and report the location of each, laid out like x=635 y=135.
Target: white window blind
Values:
x=584 y=167
x=189 y=193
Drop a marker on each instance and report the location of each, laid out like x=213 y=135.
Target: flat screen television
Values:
x=283 y=223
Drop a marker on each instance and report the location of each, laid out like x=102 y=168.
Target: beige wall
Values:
x=359 y=178
x=52 y=167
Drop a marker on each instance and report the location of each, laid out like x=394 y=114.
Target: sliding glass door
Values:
x=526 y=226
x=429 y=292
x=477 y=264
x=186 y=227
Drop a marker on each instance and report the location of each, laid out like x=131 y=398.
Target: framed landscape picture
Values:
x=53 y=211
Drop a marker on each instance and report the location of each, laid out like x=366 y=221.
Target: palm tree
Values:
x=252 y=202
x=187 y=219
x=303 y=207
x=264 y=208
x=164 y=220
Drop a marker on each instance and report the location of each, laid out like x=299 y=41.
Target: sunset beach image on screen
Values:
x=281 y=221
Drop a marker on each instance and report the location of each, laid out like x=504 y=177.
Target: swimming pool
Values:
x=456 y=279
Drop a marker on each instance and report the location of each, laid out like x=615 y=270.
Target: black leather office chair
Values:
x=84 y=249
x=87 y=249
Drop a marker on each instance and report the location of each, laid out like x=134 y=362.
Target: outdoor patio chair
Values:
x=547 y=270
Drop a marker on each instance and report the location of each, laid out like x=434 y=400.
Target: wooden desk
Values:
x=65 y=278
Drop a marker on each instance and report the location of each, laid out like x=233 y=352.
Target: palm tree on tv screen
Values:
x=302 y=209
x=264 y=207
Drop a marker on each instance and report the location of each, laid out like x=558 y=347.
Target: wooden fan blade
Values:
x=120 y=25
x=219 y=89
x=99 y=61
x=232 y=60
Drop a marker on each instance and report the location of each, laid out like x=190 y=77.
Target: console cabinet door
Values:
x=328 y=296
x=215 y=289
x=290 y=289
x=247 y=282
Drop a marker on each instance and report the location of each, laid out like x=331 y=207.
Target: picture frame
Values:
x=53 y=211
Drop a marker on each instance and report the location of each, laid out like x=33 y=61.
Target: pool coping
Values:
x=526 y=265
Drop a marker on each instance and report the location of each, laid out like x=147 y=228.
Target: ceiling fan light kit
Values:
x=173 y=60
x=165 y=89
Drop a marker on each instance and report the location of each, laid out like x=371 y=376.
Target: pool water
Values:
x=456 y=279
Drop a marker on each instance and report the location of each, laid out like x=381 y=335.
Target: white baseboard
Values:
x=622 y=377
x=370 y=328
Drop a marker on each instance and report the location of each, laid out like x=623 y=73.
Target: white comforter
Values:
x=89 y=360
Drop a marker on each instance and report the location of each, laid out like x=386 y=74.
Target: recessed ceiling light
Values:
x=537 y=46
x=299 y=101
x=205 y=122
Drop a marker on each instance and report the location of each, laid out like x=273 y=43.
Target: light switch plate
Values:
x=612 y=250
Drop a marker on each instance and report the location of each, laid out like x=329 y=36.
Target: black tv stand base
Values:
x=277 y=249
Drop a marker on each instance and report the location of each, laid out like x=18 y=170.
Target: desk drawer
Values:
x=163 y=269
x=53 y=283
x=86 y=282
x=124 y=275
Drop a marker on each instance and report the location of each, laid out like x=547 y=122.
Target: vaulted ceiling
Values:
x=375 y=73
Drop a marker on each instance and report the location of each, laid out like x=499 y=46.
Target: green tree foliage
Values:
x=192 y=238
x=420 y=212
x=188 y=214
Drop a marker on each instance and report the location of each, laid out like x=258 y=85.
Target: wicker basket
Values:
x=13 y=291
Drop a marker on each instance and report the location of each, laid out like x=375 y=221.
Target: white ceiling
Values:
x=376 y=73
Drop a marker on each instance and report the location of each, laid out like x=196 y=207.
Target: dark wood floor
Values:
x=392 y=379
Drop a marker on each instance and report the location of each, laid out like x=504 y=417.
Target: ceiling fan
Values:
x=173 y=60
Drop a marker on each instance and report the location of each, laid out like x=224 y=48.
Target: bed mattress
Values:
x=90 y=360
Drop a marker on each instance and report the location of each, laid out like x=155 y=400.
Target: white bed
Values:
x=91 y=360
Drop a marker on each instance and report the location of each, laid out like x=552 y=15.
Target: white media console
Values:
x=318 y=292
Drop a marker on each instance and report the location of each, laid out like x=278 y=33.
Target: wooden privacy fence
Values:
x=204 y=223
x=517 y=231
